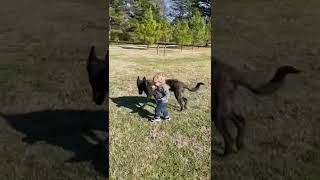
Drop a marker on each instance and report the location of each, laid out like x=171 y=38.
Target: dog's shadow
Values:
x=67 y=129
x=133 y=103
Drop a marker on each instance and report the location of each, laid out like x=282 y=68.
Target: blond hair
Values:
x=159 y=77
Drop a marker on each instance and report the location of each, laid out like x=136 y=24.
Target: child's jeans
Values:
x=161 y=108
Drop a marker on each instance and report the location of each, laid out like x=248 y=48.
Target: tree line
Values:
x=183 y=22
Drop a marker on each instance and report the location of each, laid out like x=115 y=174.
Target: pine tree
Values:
x=181 y=9
x=204 y=6
x=162 y=4
x=165 y=30
x=148 y=30
x=117 y=20
x=198 y=28
x=208 y=32
x=136 y=10
x=182 y=33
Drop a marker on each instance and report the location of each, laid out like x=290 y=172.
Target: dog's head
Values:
x=141 y=84
x=98 y=77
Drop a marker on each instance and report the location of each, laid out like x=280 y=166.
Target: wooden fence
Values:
x=163 y=44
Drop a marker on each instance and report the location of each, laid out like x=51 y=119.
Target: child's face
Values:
x=160 y=81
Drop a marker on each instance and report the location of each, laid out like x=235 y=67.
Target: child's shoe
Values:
x=156 y=120
x=167 y=118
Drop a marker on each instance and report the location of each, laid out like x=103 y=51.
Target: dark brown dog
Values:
x=176 y=86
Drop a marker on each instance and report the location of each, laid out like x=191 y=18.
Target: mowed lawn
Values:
x=140 y=149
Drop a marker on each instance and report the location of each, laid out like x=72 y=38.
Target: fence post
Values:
x=158 y=49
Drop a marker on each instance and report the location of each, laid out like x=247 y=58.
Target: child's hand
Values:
x=153 y=87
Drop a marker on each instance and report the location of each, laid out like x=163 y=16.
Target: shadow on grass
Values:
x=66 y=129
x=132 y=102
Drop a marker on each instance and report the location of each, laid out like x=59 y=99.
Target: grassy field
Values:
x=48 y=121
x=282 y=137
x=140 y=149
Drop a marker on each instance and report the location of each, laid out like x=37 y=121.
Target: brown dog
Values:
x=176 y=86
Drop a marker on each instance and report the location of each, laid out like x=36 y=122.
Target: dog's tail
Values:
x=195 y=88
x=274 y=84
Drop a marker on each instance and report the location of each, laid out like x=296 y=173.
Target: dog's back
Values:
x=224 y=74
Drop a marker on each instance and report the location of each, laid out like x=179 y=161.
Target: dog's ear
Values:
x=138 y=80
x=92 y=56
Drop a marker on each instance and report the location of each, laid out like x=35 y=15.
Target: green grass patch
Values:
x=140 y=149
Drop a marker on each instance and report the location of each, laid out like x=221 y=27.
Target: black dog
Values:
x=98 y=77
x=176 y=86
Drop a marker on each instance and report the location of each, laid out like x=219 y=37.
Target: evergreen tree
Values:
x=118 y=19
x=180 y=9
x=148 y=29
x=136 y=10
x=204 y=6
x=165 y=30
x=162 y=4
x=208 y=32
x=182 y=33
x=198 y=28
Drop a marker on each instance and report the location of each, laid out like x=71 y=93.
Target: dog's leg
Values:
x=177 y=94
x=237 y=118
x=224 y=113
x=239 y=121
x=228 y=140
x=185 y=102
x=146 y=102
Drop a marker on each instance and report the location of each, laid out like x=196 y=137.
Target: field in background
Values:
x=139 y=149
